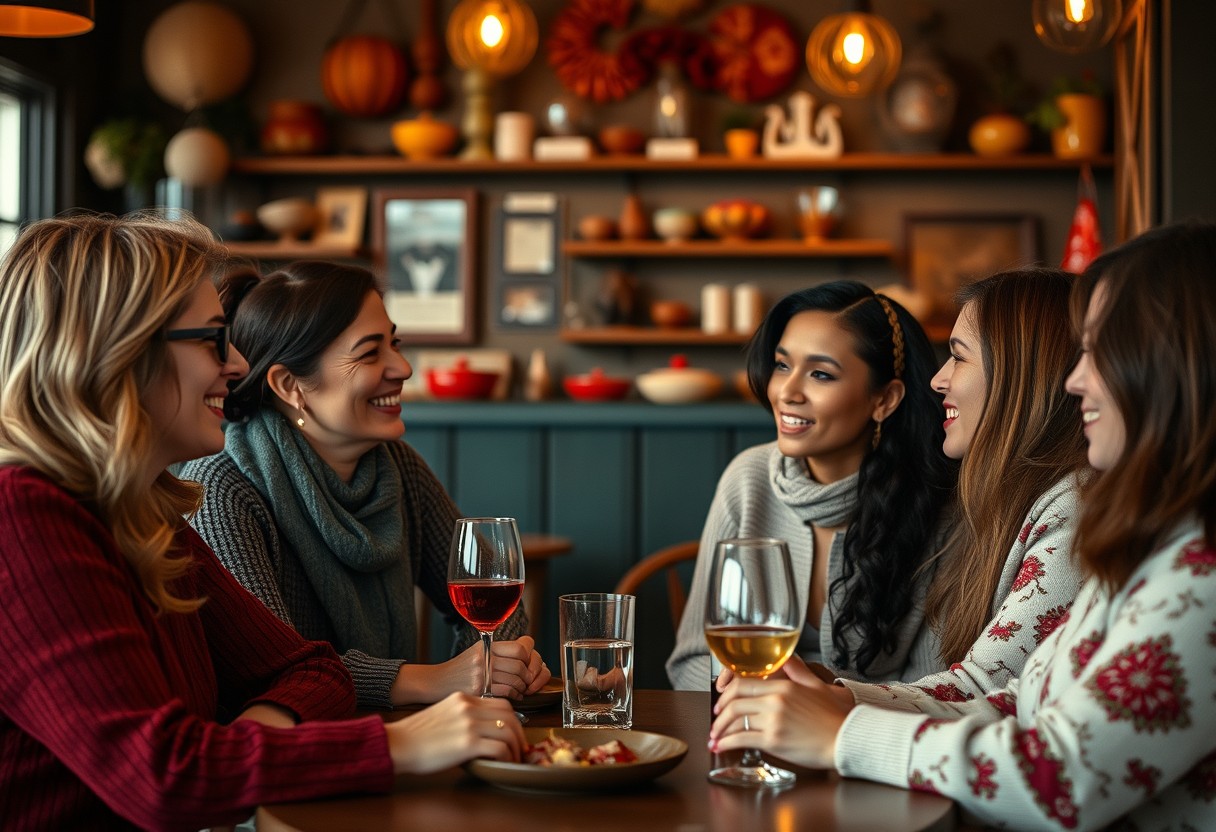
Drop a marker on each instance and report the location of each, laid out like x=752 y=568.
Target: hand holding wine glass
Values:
x=486 y=577
x=752 y=624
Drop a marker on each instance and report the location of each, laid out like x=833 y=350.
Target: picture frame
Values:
x=341 y=213
x=527 y=304
x=944 y=252
x=425 y=243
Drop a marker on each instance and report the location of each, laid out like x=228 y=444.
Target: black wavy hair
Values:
x=903 y=485
x=288 y=317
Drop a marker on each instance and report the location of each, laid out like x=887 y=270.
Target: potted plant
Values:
x=127 y=153
x=740 y=134
x=1000 y=132
x=1074 y=111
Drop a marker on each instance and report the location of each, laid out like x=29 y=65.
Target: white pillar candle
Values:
x=749 y=308
x=715 y=309
x=513 y=137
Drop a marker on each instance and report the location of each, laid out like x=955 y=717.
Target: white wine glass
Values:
x=752 y=624
x=486 y=577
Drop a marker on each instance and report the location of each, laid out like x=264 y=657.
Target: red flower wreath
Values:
x=581 y=65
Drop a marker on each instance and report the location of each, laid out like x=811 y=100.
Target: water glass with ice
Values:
x=596 y=631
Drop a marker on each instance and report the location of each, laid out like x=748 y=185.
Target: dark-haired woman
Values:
x=317 y=508
x=1111 y=724
x=855 y=483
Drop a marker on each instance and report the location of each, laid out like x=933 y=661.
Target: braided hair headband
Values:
x=897 y=334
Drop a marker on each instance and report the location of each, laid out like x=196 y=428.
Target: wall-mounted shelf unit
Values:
x=728 y=248
x=367 y=165
x=650 y=336
x=295 y=250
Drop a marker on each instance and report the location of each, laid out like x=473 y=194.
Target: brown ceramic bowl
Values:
x=597 y=227
x=621 y=139
x=670 y=313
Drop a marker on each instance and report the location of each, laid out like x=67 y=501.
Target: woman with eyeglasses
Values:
x=318 y=508
x=1111 y=723
x=141 y=684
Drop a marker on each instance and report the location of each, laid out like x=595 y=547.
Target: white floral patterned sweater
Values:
x=1039 y=581
x=1113 y=722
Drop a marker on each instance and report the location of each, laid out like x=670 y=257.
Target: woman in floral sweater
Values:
x=1112 y=721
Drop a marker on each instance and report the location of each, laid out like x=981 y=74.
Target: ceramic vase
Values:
x=1084 y=133
x=633 y=223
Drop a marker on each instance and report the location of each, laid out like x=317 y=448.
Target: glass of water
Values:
x=596 y=631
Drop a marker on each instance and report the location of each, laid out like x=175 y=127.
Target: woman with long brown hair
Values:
x=1111 y=720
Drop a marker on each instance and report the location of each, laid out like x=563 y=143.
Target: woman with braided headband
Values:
x=856 y=483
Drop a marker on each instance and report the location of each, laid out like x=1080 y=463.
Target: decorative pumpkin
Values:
x=757 y=55
x=581 y=64
x=364 y=75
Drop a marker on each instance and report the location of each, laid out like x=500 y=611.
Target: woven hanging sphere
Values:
x=853 y=55
x=496 y=36
x=197 y=156
x=197 y=53
x=364 y=75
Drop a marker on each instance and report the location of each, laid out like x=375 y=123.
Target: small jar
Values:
x=294 y=128
x=715 y=309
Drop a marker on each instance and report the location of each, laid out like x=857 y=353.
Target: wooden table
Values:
x=538 y=550
x=682 y=800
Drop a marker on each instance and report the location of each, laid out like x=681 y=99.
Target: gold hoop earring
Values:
x=877 y=436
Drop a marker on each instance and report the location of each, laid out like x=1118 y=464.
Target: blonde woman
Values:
x=141 y=683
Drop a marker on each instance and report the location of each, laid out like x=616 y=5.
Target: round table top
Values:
x=544 y=546
x=680 y=800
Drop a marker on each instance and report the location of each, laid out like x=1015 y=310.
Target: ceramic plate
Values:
x=549 y=696
x=657 y=755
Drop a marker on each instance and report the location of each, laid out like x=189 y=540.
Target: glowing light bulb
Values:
x=492 y=30
x=853 y=51
x=1079 y=11
x=854 y=47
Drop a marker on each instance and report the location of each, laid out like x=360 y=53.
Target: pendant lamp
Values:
x=1076 y=26
x=46 y=19
x=853 y=54
x=489 y=39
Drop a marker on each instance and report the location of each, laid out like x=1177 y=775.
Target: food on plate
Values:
x=558 y=751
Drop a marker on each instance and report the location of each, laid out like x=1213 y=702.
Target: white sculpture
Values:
x=794 y=138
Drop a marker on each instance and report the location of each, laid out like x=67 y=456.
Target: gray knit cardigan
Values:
x=238 y=524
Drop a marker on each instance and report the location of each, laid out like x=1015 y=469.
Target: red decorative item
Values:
x=459 y=382
x=756 y=51
x=581 y=64
x=364 y=75
x=294 y=127
x=596 y=386
x=1084 y=236
x=691 y=50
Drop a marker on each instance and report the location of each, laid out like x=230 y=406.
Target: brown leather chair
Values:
x=664 y=559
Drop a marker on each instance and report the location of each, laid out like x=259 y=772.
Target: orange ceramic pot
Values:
x=1085 y=131
x=294 y=128
x=999 y=134
x=741 y=143
x=735 y=219
x=424 y=137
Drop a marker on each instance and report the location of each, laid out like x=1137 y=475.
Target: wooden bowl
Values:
x=670 y=313
x=596 y=227
x=621 y=139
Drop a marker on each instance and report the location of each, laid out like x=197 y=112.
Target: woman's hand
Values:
x=796 y=718
x=515 y=666
x=456 y=730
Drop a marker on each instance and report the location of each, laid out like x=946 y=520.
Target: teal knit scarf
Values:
x=349 y=537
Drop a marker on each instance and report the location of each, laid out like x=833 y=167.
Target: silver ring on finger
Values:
x=746 y=726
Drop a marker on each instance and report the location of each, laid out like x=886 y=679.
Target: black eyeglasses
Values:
x=216 y=334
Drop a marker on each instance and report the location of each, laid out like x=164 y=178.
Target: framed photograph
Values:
x=528 y=231
x=945 y=252
x=340 y=216
x=425 y=242
x=527 y=303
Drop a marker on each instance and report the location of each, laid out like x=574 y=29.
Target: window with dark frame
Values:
x=27 y=141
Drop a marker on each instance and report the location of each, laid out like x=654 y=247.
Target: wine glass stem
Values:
x=751 y=758
x=487 y=643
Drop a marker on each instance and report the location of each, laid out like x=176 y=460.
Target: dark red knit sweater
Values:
x=108 y=711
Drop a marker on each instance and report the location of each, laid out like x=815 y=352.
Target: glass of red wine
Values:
x=486 y=576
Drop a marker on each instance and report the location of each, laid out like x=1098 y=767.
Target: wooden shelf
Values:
x=641 y=336
x=295 y=250
x=349 y=165
x=729 y=248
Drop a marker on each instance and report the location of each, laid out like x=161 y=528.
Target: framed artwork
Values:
x=340 y=216
x=425 y=243
x=527 y=303
x=945 y=252
x=529 y=231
